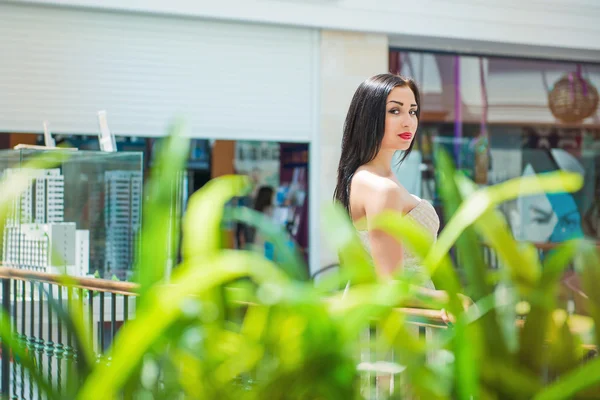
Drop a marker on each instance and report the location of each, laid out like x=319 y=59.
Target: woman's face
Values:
x=400 y=119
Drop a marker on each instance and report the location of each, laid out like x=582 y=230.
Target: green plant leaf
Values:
x=487 y=198
x=202 y=222
x=407 y=231
x=509 y=381
x=160 y=232
x=468 y=246
x=202 y=230
x=472 y=263
x=164 y=306
x=466 y=366
x=564 y=350
x=355 y=262
x=287 y=256
x=542 y=301
x=467 y=348
x=572 y=383
x=587 y=263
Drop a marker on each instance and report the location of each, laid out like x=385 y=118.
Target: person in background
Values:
x=263 y=203
x=242 y=231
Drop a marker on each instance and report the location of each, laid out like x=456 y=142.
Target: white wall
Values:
x=555 y=23
x=347 y=59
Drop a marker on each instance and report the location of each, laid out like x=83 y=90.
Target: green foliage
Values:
x=232 y=325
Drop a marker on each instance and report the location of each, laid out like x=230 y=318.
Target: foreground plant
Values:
x=233 y=325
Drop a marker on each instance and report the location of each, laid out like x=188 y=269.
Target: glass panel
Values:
x=509 y=118
x=83 y=214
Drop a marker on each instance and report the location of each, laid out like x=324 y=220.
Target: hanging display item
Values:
x=573 y=98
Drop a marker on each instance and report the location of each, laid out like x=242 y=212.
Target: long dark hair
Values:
x=364 y=128
x=263 y=198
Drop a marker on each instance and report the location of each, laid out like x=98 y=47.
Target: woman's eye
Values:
x=394 y=111
x=413 y=112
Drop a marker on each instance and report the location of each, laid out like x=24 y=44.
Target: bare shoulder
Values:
x=379 y=193
x=365 y=180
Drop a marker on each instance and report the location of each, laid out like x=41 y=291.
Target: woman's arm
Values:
x=386 y=251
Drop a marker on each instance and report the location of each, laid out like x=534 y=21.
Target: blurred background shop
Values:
x=502 y=118
x=509 y=89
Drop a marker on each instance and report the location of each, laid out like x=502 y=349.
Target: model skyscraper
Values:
x=35 y=235
x=123 y=192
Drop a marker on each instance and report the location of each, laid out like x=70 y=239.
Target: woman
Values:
x=382 y=119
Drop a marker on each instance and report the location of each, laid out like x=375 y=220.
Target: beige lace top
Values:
x=425 y=215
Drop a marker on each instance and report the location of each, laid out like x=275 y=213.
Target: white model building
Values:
x=122 y=195
x=82 y=252
x=43 y=201
x=35 y=235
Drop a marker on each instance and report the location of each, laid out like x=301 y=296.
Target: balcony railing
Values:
x=33 y=300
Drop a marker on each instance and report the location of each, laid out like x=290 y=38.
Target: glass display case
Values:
x=80 y=213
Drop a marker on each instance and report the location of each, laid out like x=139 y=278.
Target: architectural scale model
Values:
x=35 y=234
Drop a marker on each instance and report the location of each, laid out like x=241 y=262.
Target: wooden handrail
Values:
x=431 y=317
x=544 y=246
x=95 y=284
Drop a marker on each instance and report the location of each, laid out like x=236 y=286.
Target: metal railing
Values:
x=34 y=300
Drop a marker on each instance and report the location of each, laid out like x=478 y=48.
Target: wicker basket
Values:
x=573 y=98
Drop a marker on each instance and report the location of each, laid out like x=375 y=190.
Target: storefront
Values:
x=502 y=118
x=284 y=72
x=240 y=88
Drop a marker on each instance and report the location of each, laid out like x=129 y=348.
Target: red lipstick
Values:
x=406 y=135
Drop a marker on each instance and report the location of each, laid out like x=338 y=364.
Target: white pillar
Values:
x=346 y=59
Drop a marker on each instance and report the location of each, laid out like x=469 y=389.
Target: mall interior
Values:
x=265 y=94
x=509 y=89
